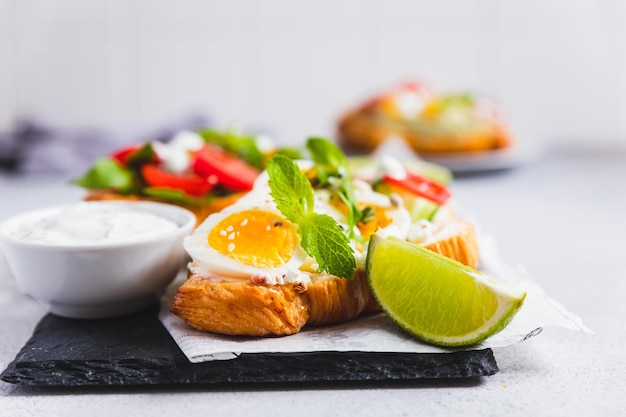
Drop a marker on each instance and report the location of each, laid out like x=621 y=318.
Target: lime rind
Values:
x=509 y=300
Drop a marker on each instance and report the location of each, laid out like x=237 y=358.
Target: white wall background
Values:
x=128 y=66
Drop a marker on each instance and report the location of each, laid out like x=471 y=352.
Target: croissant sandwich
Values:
x=291 y=252
x=203 y=171
x=431 y=123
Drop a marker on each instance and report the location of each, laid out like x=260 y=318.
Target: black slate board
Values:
x=138 y=350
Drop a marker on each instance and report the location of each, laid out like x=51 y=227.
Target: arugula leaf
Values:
x=107 y=173
x=323 y=239
x=320 y=235
x=142 y=155
x=174 y=196
x=290 y=188
x=244 y=146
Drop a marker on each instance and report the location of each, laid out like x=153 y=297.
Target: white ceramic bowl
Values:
x=97 y=279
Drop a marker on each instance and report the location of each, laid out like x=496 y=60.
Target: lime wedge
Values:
x=435 y=298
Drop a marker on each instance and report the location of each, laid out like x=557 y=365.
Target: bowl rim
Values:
x=158 y=208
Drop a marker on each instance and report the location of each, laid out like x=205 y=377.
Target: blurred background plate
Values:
x=483 y=162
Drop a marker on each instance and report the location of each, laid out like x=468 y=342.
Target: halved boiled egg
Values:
x=250 y=238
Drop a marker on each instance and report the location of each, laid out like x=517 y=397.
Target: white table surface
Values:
x=563 y=217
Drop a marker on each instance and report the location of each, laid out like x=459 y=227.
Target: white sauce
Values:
x=176 y=155
x=392 y=167
x=92 y=222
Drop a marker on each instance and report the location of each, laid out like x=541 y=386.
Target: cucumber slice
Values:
x=418 y=207
x=366 y=166
x=422 y=208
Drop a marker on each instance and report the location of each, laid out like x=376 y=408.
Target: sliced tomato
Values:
x=231 y=172
x=421 y=186
x=191 y=184
x=414 y=86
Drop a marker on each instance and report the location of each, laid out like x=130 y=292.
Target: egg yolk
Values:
x=256 y=238
x=368 y=228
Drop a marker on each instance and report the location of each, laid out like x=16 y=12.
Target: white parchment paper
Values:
x=377 y=333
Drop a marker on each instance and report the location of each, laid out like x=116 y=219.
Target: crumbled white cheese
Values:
x=420 y=231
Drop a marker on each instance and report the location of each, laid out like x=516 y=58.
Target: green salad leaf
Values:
x=107 y=173
x=175 y=196
x=141 y=156
x=244 y=146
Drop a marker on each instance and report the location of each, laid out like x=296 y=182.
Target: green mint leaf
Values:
x=323 y=239
x=290 y=188
x=330 y=162
x=107 y=173
x=320 y=235
x=327 y=156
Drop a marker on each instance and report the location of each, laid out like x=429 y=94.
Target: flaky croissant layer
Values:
x=249 y=309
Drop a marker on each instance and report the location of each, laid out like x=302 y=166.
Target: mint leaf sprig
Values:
x=320 y=235
x=332 y=173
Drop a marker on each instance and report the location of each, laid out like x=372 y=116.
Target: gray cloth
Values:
x=33 y=147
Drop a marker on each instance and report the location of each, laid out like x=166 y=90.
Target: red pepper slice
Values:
x=122 y=154
x=231 y=172
x=421 y=186
x=190 y=184
x=135 y=154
